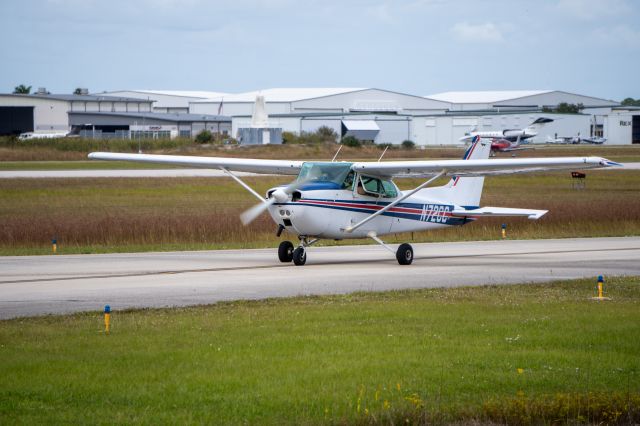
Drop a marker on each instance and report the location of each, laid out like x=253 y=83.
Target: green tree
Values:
x=204 y=136
x=630 y=102
x=351 y=141
x=408 y=144
x=566 y=108
x=22 y=89
x=78 y=91
x=327 y=134
x=289 y=138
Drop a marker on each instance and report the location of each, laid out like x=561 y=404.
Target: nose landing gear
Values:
x=299 y=256
x=286 y=252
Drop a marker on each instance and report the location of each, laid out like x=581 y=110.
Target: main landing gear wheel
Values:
x=299 y=256
x=404 y=254
x=285 y=252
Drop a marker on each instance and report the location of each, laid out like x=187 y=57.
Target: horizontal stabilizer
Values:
x=500 y=211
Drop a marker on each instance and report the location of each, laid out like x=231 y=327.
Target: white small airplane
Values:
x=42 y=135
x=338 y=200
x=596 y=140
x=511 y=135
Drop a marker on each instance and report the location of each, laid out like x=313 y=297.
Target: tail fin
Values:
x=464 y=191
x=537 y=124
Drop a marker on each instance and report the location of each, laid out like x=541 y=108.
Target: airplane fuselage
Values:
x=327 y=213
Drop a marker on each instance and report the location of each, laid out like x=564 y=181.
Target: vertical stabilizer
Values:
x=464 y=191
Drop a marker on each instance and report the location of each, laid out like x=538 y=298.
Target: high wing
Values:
x=479 y=167
x=279 y=167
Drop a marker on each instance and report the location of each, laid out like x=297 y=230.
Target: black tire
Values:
x=299 y=256
x=404 y=254
x=285 y=252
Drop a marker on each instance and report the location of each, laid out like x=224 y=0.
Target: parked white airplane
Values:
x=596 y=140
x=511 y=135
x=338 y=200
x=42 y=135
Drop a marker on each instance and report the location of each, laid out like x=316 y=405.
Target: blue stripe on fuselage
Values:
x=418 y=216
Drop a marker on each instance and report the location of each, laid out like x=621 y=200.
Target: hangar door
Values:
x=635 y=129
x=16 y=120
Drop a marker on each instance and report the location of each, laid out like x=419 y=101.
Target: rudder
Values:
x=465 y=191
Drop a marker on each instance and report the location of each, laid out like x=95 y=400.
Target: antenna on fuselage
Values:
x=383 y=152
x=336 y=156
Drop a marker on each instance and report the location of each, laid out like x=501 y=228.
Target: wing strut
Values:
x=394 y=203
x=336 y=156
x=244 y=185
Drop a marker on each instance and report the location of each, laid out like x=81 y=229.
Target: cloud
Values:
x=487 y=32
x=590 y=10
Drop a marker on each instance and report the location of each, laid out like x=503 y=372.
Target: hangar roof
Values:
x=283 y=94
x=80 y=98
x=159 y=116
x=484 y=97
x=180 y=93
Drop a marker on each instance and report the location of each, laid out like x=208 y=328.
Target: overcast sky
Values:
x=421 y=47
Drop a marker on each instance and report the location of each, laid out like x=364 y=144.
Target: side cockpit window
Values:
x=348 y=181
x=374 y=187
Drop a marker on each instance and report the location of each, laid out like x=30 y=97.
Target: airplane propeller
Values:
x=280 y=195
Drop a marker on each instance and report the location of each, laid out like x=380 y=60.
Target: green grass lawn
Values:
x=517 y=354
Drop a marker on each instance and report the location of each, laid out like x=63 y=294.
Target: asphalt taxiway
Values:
x=35 y=285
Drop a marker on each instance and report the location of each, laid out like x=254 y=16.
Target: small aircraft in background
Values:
x=341 y=200
x=512 y=135
x=596 y=140
x=504 y=145
x=42 y=135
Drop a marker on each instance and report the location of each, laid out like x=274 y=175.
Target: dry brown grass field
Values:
x=77 y=150
x=102 y=215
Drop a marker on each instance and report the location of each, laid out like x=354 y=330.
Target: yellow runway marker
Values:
x=600 y=289
x=107 y=318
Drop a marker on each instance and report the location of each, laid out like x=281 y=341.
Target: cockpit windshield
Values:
x=324 y=172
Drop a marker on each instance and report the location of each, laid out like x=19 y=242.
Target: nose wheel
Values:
x=287 y=253
x=299 y=256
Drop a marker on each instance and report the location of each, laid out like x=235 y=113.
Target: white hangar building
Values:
x=167 y=101
x=45 y=113
x=359 y=111
x=319 y=100
x=516 y=109
x=447 y=129
x=513 y=100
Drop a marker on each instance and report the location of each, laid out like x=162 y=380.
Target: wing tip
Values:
x=538 y=214
x=608 y=163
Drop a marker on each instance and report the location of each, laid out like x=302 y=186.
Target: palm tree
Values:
x=22 y=89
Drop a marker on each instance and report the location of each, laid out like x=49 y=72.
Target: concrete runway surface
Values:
x=35 y=285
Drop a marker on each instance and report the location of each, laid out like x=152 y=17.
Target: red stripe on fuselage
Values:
x=373 y=207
